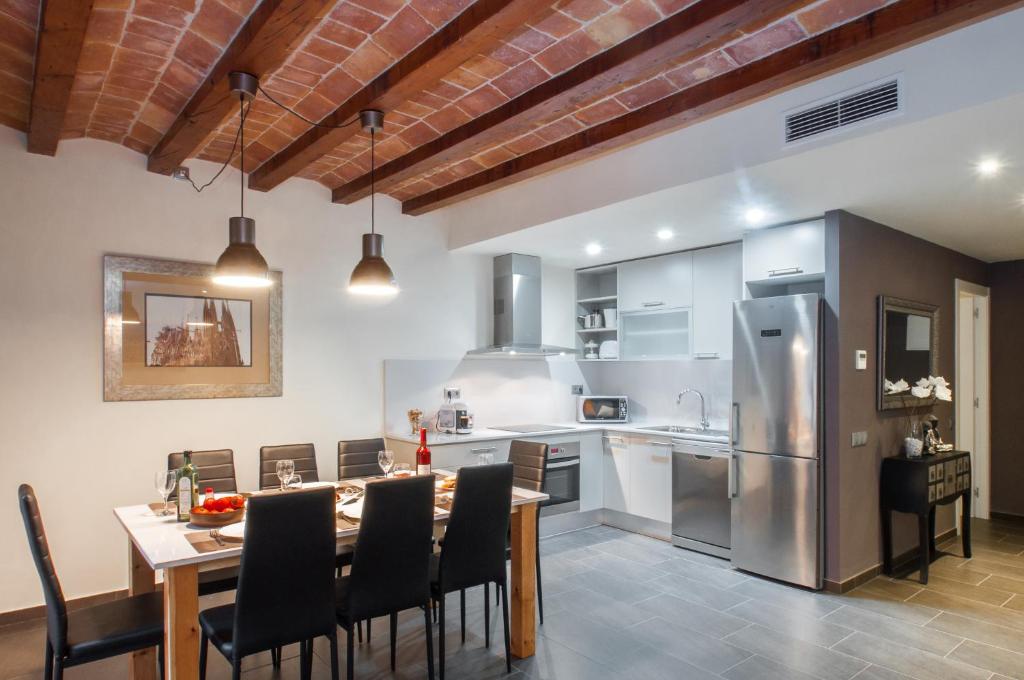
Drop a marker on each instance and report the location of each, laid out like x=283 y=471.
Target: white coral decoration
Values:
x=943 y=393
x=921 y=392
x=932 y=386
x=896 y=387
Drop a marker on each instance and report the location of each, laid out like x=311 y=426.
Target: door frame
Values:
x=981 y=445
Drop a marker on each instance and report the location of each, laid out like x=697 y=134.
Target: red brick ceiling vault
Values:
x=477 y=93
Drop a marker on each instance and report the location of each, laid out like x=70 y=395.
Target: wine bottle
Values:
x=188 y=488
x=423 y=454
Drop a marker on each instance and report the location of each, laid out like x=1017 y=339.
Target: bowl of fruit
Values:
x=218 y=511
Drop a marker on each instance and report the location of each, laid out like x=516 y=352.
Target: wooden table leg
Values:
x=922 y=530
x=931 y=531
x=524 y=581
x=141 y=580
x=965 y=522
x=181 y=622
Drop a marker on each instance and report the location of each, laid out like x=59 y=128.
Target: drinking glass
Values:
x=386 y=459
x=403 y=470
x=294 y=481
x=165 y=482
x=285 y=469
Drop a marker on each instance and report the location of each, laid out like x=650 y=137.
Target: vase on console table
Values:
x=913 y=446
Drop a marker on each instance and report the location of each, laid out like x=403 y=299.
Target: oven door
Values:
x=562 y=484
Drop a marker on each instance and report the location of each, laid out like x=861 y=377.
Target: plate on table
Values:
x=233 y=532
x=445 y=483
x=352 y=510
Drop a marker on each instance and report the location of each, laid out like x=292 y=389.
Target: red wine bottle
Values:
x=423 y=454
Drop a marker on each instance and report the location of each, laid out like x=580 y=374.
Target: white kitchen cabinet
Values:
x=661 y=334
x=791 y=253
x=663 y=282
x=717 y=283
x=650 y=478
x=452 y=456
x=591 y=472
x=615 y=478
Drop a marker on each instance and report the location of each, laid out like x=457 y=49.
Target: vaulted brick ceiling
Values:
x=142 y=61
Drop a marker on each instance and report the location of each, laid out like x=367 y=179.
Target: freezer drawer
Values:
x=776 y=518
x=700 y=495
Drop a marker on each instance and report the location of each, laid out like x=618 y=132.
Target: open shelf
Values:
x=597 y=300
x=596 y=330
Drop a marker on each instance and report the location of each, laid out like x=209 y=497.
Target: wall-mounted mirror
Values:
x=908 y=347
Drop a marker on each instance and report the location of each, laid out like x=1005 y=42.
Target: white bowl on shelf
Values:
x=609 y=350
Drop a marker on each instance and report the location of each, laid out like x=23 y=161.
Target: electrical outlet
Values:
x=859 y=439
x=452 y=393
x=577 y=389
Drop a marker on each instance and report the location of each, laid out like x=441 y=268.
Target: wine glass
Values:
x=165 y=482
x=386 y=459
x=294 y=481
x=285 y=469
x=485 y=459
x=402 y=470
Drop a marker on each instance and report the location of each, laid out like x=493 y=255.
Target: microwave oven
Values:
x=595 y=409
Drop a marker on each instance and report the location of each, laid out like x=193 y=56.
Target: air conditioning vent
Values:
x=872 y=102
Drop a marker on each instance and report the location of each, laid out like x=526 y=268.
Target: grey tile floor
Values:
x=620 y=605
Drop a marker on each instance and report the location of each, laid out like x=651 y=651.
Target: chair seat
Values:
x=218 y=623
x=345 y=554
x=218 y=580
x=116 y=627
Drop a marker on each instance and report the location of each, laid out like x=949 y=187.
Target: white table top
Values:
x=162 y=542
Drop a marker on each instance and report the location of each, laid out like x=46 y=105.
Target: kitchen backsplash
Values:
x=509 y=392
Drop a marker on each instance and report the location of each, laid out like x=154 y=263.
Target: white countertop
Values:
x=484 y=434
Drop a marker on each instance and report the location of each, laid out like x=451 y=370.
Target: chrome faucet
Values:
x=704 y=422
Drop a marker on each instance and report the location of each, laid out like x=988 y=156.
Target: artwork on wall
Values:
x=908 y=348
x=171 y=333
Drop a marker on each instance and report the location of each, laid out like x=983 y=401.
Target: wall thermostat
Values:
x=861 y=360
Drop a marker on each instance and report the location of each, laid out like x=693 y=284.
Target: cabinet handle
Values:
x=787 y=271
x=652 y=304
x=613 y=439
x=654 y=443
x=484 y=449
x=705 y=355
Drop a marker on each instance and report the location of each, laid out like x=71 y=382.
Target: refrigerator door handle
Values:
x=732 y=475
x=734 y=423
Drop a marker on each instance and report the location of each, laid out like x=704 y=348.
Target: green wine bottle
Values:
x=188 y=488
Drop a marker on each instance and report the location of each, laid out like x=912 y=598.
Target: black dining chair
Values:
x=530 y=462
x=358 y=457
x=93 y=633
x=391 y=566
x=303 y=455
x=216 y=470
x=286 y=583
x=473 y=552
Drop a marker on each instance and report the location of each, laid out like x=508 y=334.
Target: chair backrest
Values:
x=286 y=576
x=391 y=564
x=56 y=609
x=358 y=458
x=216 y=468
x=530 y=460
x=474 y=542
x=304 y=456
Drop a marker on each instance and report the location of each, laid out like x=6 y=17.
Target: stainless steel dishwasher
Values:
x=701 y=492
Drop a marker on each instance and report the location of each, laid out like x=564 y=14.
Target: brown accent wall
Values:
x=870 y=259
x=1006 y=281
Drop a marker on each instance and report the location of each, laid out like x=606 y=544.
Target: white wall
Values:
x=60 y=215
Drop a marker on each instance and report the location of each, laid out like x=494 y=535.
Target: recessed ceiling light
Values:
x=989 y=167
x=594 y=249
x=754 y=216
x=665 y=234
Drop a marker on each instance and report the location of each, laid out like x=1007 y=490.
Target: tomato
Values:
x=209 y=503
x=237 y=502
x=222 y=504
x=199 y=510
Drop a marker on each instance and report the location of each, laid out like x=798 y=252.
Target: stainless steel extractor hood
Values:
x=517 y=295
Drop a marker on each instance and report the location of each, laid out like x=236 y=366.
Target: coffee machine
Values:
x=454 y=417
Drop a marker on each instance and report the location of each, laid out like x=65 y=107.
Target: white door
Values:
x=616 y=473
x=971 y=389
x=717 y=283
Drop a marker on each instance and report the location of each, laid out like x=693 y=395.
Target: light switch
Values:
x=859 y=439
x=861 y=360
x=577 y=389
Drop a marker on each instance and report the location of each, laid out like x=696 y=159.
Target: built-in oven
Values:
x=562 y=479
x=598 y=409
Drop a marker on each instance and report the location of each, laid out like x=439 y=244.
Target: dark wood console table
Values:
x=918 y=485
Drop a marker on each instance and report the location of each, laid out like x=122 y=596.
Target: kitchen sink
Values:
x=689 y=432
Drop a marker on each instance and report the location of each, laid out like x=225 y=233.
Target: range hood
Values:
x=517 y=329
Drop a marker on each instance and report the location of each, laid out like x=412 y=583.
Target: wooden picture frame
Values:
x=219 y=354
x=887 y=304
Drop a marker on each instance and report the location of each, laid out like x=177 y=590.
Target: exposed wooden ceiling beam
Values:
x=696 y=30
x=62 y=25
x=261 y=46
x=478 y=29
x=893 y=27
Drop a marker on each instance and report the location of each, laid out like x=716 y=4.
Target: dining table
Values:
x=182 y=551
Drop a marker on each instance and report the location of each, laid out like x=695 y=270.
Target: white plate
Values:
x=234 y=531
x=352 y=510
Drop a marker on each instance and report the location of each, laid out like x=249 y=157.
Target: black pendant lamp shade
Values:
x=372 y=275
x=241 y=265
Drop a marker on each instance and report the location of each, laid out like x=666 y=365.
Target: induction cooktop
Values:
x=521 y=429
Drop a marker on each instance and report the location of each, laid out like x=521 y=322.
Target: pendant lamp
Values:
x=241 y=265
x=372 y=275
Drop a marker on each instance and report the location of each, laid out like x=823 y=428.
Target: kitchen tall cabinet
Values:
x=717 y=283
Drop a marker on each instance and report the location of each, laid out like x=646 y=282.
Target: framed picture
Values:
x=171 y=333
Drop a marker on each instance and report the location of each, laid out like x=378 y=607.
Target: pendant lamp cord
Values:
x=373 y=169
x=241 y=157
x=231 y=156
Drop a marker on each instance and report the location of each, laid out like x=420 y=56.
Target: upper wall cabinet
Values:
x=717 y=283
x=664 y=282
x=782 y=255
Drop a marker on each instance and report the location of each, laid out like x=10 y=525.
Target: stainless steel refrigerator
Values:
x=776 y=438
